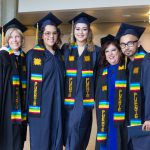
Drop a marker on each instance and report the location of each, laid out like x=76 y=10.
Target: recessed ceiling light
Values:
x=126 y=15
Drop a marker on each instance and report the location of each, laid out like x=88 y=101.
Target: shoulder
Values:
x=29 y=54
x=23 y=52
x=65 y=48
x=147 y=57
x=5 y=58
x=97 y=49
x=4 y=54
x=146 y=62
x=4 y=48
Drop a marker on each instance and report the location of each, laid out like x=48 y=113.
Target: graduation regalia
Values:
x=79 y=96
x=45 y=95
x=12 y=95
x=138 y=87
x=79 y=90
x=144 y=100
x=107 y=38
x=110 y=107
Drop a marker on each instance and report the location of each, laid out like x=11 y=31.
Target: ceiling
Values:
x=116 y=14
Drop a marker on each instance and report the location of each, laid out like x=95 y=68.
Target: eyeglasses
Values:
x=129 y=44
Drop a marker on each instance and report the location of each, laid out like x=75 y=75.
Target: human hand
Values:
x=146 y=126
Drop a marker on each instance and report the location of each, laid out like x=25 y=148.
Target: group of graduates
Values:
x=54 y=89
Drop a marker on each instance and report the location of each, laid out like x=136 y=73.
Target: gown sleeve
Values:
x=28 y=61
x=1 y=85
x=145 y=82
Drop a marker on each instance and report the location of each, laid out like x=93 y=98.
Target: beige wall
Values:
x=99 y=31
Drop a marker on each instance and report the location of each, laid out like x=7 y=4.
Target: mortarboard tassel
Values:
x=72 y=33
x=2 y=38
x=37 y=32
x=125 y=62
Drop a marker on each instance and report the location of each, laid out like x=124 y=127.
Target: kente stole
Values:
x=36 y=79
x=87 y=78
x=18 y=81
x=102 y=102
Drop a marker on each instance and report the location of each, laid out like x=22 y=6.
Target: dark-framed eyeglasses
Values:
x=129 y=44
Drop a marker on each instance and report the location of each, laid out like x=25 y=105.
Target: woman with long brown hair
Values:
x=80 y=57
x=45 y=87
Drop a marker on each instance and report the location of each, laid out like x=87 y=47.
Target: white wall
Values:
x=99 y=30
x=46 y=5
x=9 y=10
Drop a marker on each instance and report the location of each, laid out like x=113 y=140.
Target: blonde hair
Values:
x=89 y=40
x=8 y=35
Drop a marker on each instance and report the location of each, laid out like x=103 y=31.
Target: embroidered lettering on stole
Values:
x=70 y=87
x=135 y=106
x=35 y=94
x=87 y=87
x=120 y=101
x=103 y=120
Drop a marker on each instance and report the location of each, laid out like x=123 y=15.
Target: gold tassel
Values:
x=126 y=59
x=2 y=38
x=37 y=32
x=72 y=33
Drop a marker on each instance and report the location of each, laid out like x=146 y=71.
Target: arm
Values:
x=145 y=82
x=28 y=65
x=1 y=85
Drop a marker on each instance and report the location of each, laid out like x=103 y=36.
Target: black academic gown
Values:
x=78 y=121
x=11 y=135
x=46 y=130
x=143 y=143
x=117 y=138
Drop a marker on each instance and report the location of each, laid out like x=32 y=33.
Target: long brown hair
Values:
x=56 y=46
x=89 y=42
x=103 y=62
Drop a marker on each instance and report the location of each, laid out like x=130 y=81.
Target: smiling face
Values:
x=15 y=40
x=130 y=43
x=81 y=32
x=50 y=36
x=112 y=54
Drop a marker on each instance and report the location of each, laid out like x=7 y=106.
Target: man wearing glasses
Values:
x=138 y=101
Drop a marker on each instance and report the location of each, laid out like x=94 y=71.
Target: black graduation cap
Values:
x=47 y=20
x=107 y=38
x=129 y=29
x=83 y=18
x=14 y=23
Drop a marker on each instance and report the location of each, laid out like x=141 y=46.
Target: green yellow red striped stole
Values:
x=18 y=113
x=135 y=90
x=36 y=78
x=102 y=101
x=71 y=78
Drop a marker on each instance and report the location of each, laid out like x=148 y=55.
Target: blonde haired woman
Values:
x=13 y=88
